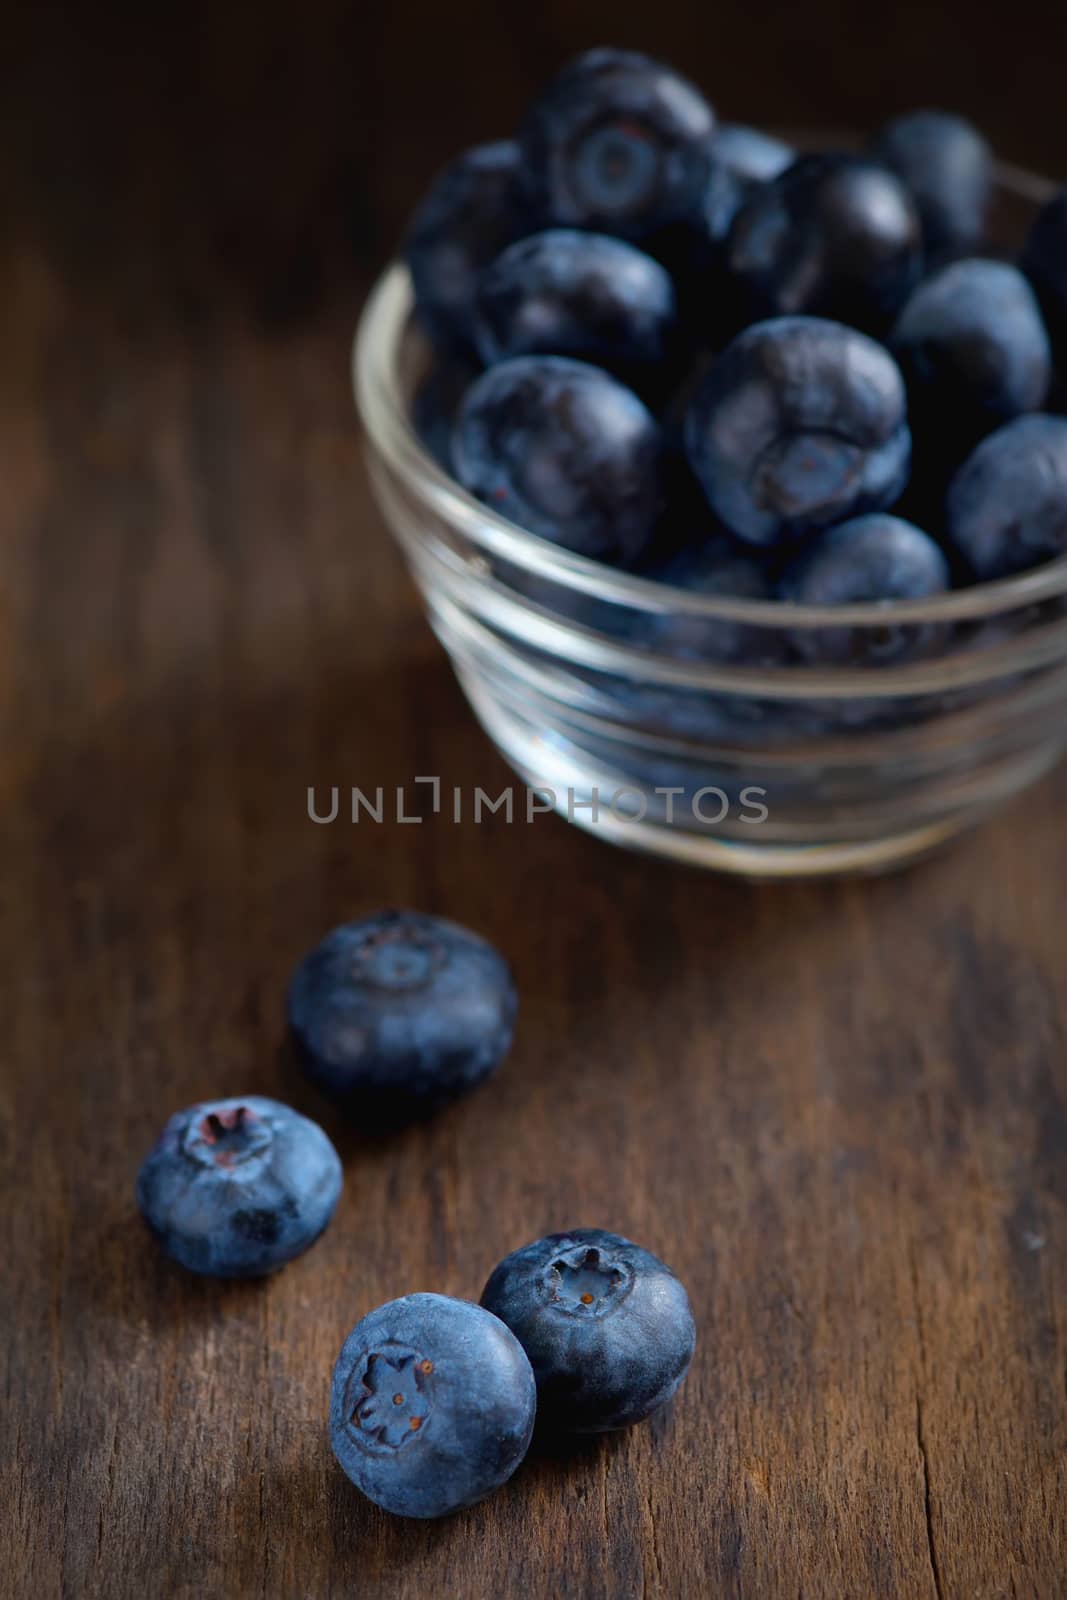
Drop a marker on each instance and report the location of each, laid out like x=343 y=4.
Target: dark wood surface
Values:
x=840 y=1112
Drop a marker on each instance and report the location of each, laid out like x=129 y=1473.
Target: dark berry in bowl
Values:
x=401 y=1013
x=236 y=1188
x=1044 y=260
x=750 y=154
x=717 y=567
x=872 y=559
x=606 y=1325
x=695 y=244
x=432 y=1405
x=1007 y=505
x=565 y=451
x=831 y=236
x=617 y=143
x=948 y=168
x=973 y=348
x=708 y=230
x=694 y=252
x=799 y=423
x=471 y=212
x=568 y=293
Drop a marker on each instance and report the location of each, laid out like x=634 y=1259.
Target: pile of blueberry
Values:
x=676 y=346
x=434 y=1399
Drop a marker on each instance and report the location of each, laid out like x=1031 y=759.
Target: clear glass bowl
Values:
x=772 y=770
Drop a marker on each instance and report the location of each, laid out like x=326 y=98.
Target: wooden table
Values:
x=840 y=1112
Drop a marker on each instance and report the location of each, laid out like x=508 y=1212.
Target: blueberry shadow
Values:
x=554 y=1454
x=359 y=1132
x=358 y=1527
x=351 y=1136
x=124 y=1278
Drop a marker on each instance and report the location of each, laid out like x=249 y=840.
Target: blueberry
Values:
x=728 y=721
x=401 y=1013
x=693 y=250
x=716 y=567
x=1044 y=261
x=1007 y=504
x=694 y=244
x=751 y=155
x=723 y=196
x=876 y=558
x=565 y=451
x=471 y=212
x=566 y=603
x=832 y=236
x=974 y=350
x=236 y=1188
x=618 y=143
x=948 y=168
x=432 y=1405
x=797 y=424
x=564 y=292
x=606 y=1325
x=690 y=714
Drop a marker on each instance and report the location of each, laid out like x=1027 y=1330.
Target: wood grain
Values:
x=840 y=1112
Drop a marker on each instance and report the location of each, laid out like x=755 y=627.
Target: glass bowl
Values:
x=766 y=767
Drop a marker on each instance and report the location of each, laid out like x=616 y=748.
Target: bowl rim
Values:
x=383 y=326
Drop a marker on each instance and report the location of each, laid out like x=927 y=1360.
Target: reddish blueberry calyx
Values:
x=218 y=1124
x=586 y=1281
x=235 y=1188
x=388 y=1400
x=228 y=1134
